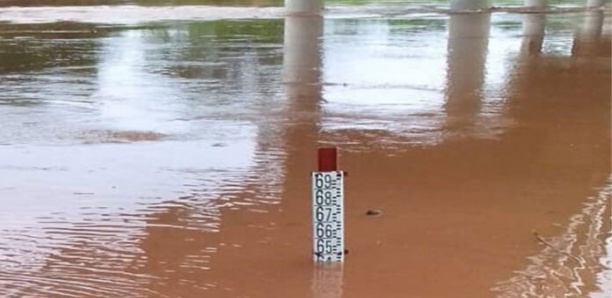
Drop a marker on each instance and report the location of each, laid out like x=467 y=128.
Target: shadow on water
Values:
x=171 y=159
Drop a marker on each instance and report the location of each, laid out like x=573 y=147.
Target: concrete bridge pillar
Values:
x=303 y=6
x=594 y=3
x=470 y=4
x=535 y=3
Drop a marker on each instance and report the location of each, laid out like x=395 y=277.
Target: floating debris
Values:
x=374 y=212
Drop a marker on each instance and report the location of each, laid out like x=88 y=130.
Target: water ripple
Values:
x=572 y=264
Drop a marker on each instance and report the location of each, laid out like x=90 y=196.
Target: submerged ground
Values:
x=165 y=151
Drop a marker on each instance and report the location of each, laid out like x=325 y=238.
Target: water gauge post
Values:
x=328 y=208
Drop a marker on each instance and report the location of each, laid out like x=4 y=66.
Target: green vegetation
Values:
x=417 y=24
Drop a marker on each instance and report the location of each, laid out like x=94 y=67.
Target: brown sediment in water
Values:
x=111 y=136
x=458 y=216
x=458 y=221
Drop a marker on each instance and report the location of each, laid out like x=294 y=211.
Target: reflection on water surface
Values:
x=167 y=153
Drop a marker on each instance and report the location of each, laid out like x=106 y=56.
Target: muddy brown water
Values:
x=166 y=152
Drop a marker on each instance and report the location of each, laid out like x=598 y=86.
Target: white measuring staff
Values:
x=328 y=216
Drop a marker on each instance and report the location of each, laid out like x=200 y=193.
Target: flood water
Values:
x=166 y=151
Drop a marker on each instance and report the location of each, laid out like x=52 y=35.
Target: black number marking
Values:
x=324 y=181
x=329 y=247
x=324 y=214
x=319 y=196
x=320 y=246
x=328 y=198
x=320 y=215
x=319 y=180
x=326 y=230
x=328 y=181
x=328 y=212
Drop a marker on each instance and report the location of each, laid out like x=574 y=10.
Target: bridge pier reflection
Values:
x=588 y=35
x=470 y=4
x=534 y=26
x=468 y=40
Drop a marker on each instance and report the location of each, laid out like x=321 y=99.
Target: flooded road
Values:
x=165 y=151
